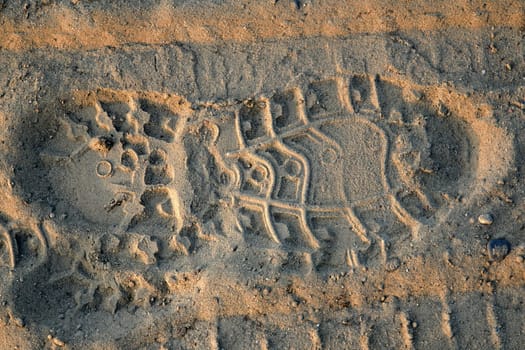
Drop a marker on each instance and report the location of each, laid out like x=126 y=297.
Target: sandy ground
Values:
x=262 y=174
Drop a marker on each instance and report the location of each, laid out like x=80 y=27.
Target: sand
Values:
x=262 y=175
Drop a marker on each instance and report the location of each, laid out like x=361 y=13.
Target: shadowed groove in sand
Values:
x=158 y=24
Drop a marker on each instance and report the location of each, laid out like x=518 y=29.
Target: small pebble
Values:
x=486 y=219
x=58 y=342
x=498 y=249
x=414 y=325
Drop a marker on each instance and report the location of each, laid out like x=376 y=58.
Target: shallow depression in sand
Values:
x=345 y=169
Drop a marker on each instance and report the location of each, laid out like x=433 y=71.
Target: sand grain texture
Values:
x=262 y=175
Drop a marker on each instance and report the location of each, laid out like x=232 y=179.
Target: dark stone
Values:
x=498 y=249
